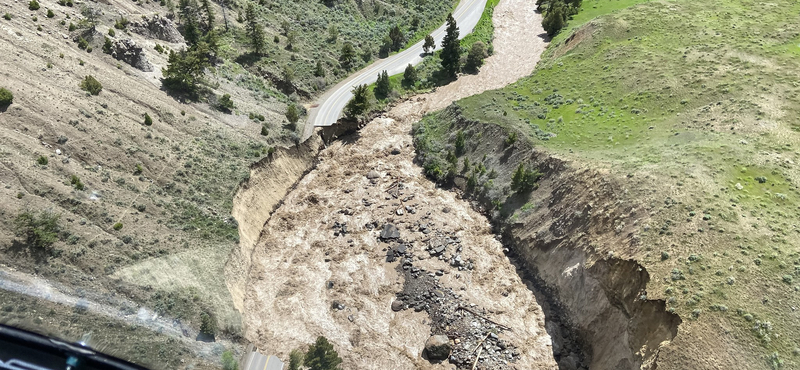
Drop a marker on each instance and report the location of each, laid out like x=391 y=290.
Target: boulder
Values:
x=397 y=305
x=373 y=174
x=157 y=27
x=437 y=348
x=128 y=52
x=390 y=232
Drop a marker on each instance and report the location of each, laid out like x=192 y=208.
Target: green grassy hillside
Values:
x=694 y=106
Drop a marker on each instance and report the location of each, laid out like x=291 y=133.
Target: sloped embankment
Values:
x=270 y=180
x=573 y=237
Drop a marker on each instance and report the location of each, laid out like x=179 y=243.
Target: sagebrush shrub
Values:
x=91 y=85
x=6 y=97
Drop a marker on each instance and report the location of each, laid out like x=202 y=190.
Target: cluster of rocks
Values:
x=339 y=229
x=157 y=27
x=462 y=333
x=471 y=335
x=438 y=247
x=127 y=51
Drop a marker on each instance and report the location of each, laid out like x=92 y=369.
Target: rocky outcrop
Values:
x=127 y=51
x=157 y=27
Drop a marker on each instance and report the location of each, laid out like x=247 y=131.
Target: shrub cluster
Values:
x=40 y=230
x=91 y=85
x=6 y=97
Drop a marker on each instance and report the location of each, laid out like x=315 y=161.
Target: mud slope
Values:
x=270 y=180
x=309 y=279
x=575 y=237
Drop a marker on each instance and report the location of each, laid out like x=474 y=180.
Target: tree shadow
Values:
x=203 y=337
x=4 y=107
x=178 y=92
x=441 y=78
x=20 y=248
x=248 y=59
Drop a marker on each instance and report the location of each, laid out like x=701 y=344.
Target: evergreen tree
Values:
x=410 y=75
x=292 y=115
x=386 y=47
x=322 y=356
x=556 y=18
x=187 y=12
x=429 y=45
x=209 y=16
x=359 y=104
x=382 y=86
x=295 y=359
x=184 y=69
x=319 y=71
x=287 y=73
x=254 y=30
x=348 y=56
x=524 y=180
x=90 y=17
x=191 y=33
x=451 y=48
x=107 y=46
x=211 y=40
x=396 y=37
x=366 y=56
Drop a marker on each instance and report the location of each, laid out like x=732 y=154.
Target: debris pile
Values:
x=462 y=333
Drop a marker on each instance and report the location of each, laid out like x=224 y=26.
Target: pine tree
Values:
x=524 y=180
x=386 y=47
x=187 y=12
x=319 y=71
x=184 y=69
x=348 y=56
x=254 y=30
x=209 y=16
x=451 y=48
x=556 y=18
x=410 y=75
x=397 y=38
x=295 y=359
x=292 y=115
x=359 y=104
x=322 y=356
x=107 y=46
x=382 y=86
x=429 y=45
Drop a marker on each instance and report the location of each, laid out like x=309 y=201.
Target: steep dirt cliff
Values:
x=573 y=235
x=270 y=180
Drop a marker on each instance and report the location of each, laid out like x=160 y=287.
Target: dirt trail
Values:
x=307 y=281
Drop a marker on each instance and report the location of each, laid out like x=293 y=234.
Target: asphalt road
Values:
x=330 y=105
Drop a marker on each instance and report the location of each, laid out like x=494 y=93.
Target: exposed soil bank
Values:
x=575 y=237
x=257 y=198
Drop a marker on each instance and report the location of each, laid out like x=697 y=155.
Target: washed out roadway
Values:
x=330 y=105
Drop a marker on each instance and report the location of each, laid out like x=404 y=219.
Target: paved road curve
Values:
x=331 y=104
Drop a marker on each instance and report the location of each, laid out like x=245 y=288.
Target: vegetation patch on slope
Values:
x=693 y=106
